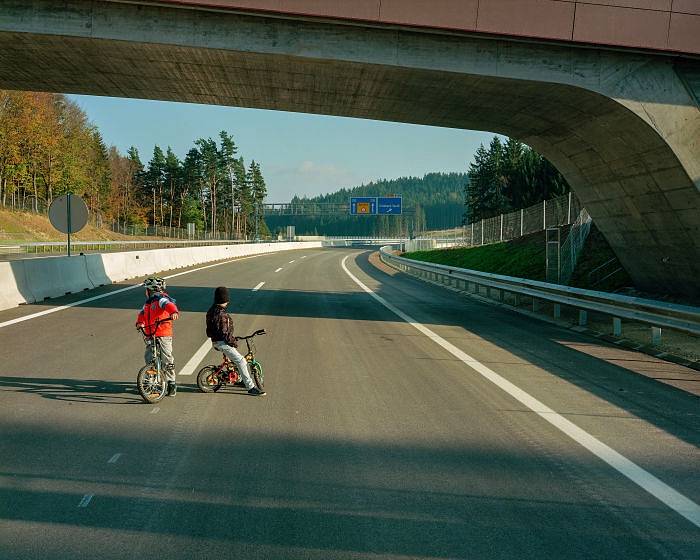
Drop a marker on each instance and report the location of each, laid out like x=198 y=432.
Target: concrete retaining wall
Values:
x=33 y=280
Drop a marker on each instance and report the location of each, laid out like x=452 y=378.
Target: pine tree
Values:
x=228 y=163
x=153 y=183
x=172 y=176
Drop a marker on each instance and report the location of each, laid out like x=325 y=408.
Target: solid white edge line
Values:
x=258 y=286
x=644 y=479
x=115 y=292
x=195 y=360
x=278 y=269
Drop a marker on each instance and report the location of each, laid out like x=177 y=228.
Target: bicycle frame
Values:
x=227 y=366
x=154 y=342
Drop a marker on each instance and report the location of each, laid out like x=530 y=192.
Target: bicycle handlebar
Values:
x=256 y=333
x=156 y=324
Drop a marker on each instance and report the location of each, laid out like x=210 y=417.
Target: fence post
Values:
x=544 y=214
x=501 y=227
x=471 y=239
x=482 y=232
x=568 y=214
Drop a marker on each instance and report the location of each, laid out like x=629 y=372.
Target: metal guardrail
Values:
x=656 y=314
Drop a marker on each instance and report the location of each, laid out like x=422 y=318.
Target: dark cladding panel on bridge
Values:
x=652 y=24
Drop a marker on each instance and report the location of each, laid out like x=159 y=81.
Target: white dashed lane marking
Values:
x=86 y=500
x=258 y=286
x=196 y=359
x=278 y=270
x=114 y=458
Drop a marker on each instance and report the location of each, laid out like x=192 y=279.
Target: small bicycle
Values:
x=151 y=380
x=212 y=378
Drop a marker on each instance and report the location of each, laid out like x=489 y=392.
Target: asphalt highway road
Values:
x=374 y=441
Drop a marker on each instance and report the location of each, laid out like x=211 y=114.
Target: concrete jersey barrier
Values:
x=33 y=280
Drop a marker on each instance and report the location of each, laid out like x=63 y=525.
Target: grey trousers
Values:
x=166 y=355
x=237 y=358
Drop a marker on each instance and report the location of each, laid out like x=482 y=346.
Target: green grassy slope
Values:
x=525 y=258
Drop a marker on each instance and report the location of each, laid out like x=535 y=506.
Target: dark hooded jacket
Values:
x=220 y=326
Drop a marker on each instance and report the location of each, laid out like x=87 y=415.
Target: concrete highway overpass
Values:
x=607 y=91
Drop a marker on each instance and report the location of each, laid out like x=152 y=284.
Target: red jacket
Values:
x=157 y=307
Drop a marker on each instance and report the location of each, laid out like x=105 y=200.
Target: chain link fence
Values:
x=558 y=211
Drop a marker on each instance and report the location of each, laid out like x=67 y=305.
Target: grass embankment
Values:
x=25 y=227
x=525 y=258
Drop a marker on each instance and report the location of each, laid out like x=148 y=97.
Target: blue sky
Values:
x=300 y=154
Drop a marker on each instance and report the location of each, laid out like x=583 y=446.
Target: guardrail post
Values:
x=557 y=311
x=582 y=317
x=617 y=326
x=516 y=300
x=522 y=221
x=482 y=232
x=501 y=227
x=655 y=336
x=535 y=305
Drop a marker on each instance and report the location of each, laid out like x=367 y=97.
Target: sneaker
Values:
x=172 y=389
x=255 y=392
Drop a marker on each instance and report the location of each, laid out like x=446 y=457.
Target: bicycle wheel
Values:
x=207 y=380
x=256 y=373
x=151 y=384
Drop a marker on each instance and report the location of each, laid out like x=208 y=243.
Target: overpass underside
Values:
x=624 y=128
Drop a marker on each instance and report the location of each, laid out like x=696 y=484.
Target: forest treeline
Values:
x=506 y=177
x=433 y=201
x=48 y=147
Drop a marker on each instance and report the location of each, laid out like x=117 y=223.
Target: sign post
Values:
x=68 y=214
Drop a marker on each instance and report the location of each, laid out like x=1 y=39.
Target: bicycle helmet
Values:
x=154 y=284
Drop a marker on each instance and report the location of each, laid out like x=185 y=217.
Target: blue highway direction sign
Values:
x=389 y=205
x=363 y=205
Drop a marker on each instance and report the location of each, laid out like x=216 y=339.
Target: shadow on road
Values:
x=313 y=498
x=580 y=360
x=80 y=390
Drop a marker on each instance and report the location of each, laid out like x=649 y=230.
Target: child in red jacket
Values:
x=159 y=306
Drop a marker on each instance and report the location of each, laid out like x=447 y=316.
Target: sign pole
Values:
x=69 y=222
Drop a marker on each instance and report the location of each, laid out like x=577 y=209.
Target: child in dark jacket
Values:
x=220 y=330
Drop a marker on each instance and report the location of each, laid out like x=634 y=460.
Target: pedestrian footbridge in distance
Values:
x=609 y=94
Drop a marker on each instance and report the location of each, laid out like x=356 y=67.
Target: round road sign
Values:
x=68 y=213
